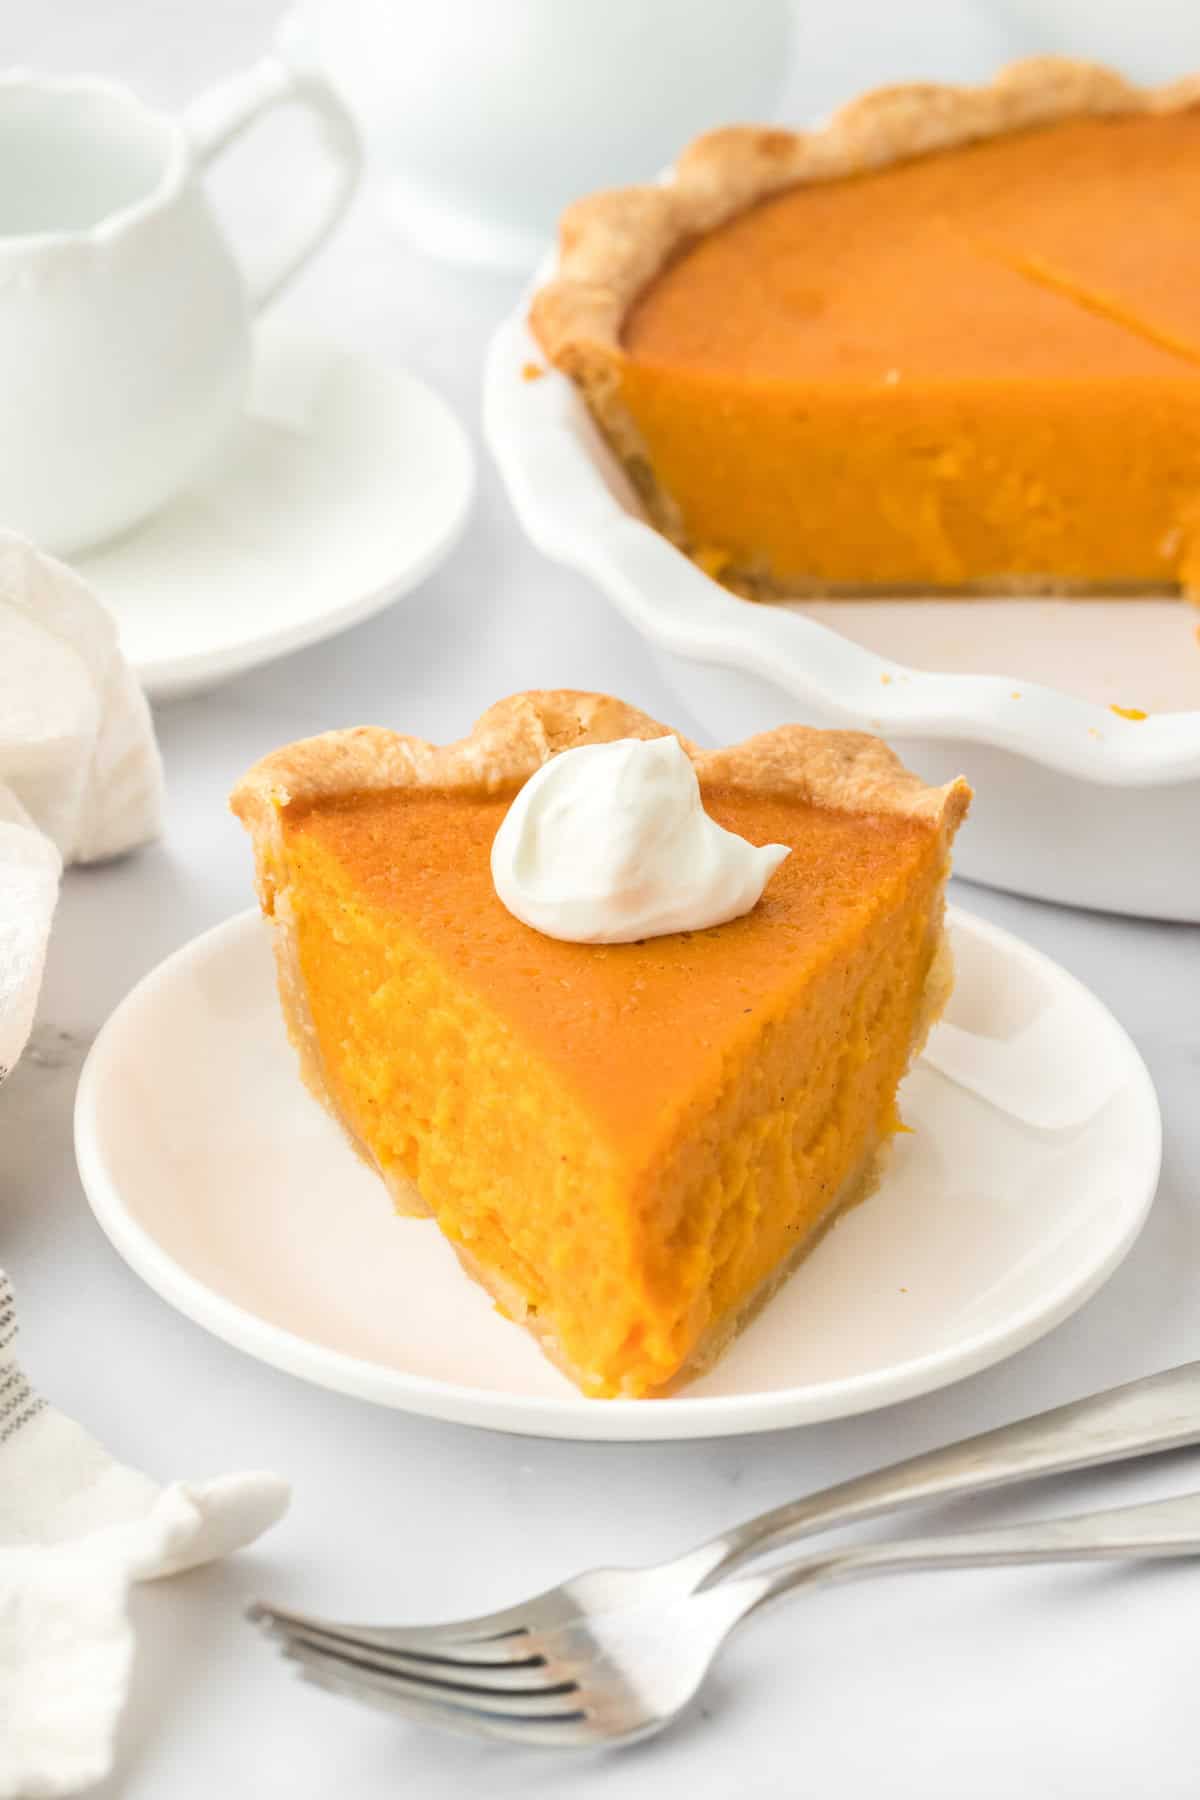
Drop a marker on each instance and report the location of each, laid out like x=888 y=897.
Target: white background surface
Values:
x=1076 y=1685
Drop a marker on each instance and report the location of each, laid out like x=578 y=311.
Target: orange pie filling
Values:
x=980 y=367
x=629 y=1144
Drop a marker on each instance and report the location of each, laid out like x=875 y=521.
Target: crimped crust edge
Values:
x=611 y=244
x=848 y=771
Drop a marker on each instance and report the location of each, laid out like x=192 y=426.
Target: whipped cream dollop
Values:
x=609 y=843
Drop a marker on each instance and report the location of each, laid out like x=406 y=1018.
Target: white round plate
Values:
x=1029 y=1172
x=345 y=484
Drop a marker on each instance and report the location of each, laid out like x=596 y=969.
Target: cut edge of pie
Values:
x=613 y=244
x=845 y=771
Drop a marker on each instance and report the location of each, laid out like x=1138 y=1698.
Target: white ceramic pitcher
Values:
x=124 y=321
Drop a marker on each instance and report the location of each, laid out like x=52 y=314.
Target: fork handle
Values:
x=1155 y=1528
x=1158 y=1412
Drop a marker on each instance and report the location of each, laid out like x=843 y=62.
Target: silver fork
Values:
x=615 y=1654
x=613 y=1676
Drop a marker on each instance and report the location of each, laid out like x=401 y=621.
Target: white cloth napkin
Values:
x=80 y=780
x=76 y=1528
x=80 y=777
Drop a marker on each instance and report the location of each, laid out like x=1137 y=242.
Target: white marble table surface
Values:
x=1074 y=1684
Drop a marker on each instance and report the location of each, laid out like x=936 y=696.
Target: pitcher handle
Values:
x=219 y=117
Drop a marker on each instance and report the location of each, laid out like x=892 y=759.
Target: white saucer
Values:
x=345 y=485
x=1029 y=1173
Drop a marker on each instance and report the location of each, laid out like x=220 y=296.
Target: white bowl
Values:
x=483 y=120
x=1074 y=802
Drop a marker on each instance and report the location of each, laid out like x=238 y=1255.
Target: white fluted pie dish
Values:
x=1075 y=801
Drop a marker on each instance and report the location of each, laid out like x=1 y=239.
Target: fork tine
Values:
x=424 y=1705
x=530 y=1680
x=489 y=1640
x=548 y=1701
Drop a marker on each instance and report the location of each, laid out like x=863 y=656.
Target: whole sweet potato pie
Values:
x=629 y=1144
x=949 y=341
